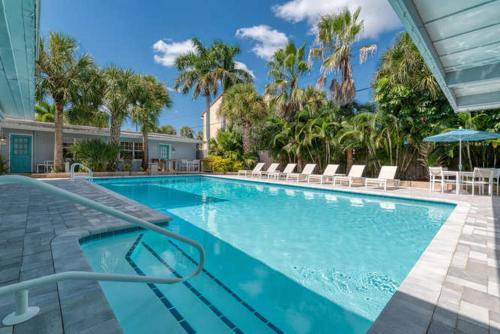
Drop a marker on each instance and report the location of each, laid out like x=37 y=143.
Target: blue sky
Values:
x=147 y=35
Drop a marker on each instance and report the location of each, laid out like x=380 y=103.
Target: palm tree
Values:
x=45 y=112
x=243 y=106
x=227 y=71
x=203 y=69
x=150 y=97
x=286 y=66
x=334 y=38
x=187 y=132
x=59 y=73
x=118 y=97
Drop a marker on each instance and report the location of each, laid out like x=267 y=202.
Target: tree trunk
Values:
x=145 y=147
x=349 y=158
x=115 y=130
x=208 y=101
x=246 y=138
x=58 y=139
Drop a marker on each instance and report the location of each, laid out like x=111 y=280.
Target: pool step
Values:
x=220 y=305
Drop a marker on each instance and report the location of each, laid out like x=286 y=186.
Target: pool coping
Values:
x=411 y=308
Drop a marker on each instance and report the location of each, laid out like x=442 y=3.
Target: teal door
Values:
x=164 y=152
x=20 y=153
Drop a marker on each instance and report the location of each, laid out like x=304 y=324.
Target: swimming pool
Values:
x=279 y=258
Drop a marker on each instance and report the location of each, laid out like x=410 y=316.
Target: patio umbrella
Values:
x=461 y=135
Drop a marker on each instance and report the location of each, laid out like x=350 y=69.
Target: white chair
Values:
x=482 y=177
x=271 y=169
x=308 y=170
x=386 y=175
x=196 y=165
x=288 y=169
x=246 y=172
x=328 y=174
x=436 y=175
x=355 y=174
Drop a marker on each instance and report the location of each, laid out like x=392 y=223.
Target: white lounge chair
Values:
x=271 y=169
x=247 y=172
x=329 y=173
x=288 y=169
x=355 y=174
x=308 y=170
x=387 y=175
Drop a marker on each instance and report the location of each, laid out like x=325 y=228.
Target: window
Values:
x=131 y=150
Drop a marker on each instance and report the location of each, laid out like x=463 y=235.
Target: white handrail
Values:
x=25 y=312
x=72 y=174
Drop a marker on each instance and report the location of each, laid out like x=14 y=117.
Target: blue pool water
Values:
x=279 y=258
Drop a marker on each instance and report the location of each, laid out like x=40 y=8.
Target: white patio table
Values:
x=459 y=175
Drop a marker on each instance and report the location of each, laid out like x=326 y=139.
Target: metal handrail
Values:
x=25 y=312
x=72 y=175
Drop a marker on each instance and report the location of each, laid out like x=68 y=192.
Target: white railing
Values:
x=25 y=312
x=73 y=176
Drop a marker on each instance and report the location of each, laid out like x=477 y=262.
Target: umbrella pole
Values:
x=460 y=155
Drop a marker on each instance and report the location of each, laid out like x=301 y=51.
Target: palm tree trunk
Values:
x=145 y=146
x=115 y=130
x=246 y=138
x=208 y=102
x=58 y=138
x=349 y=158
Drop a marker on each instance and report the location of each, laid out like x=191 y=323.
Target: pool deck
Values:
x=453 y=288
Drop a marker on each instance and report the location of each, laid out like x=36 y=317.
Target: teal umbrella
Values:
x=461 y=135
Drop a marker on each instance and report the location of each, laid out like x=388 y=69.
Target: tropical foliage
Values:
x=187 y=132
x=44 y=112
x=4 y=168
x=96 y=154
x=243 y=107
x=167 y=129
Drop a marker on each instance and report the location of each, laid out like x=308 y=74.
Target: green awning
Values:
x=19 y=28
x=460 y=42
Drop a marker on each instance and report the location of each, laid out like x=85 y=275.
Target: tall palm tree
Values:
x=286 y=67
x=335 y=36
x=204 y=69
x=243 y=106
x=150 y=97
x=59 y=73
x=118 y=97
x=227 y=71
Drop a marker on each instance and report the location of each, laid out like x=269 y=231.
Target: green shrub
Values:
x=96 y=154
x=220 y=164
x=4 y=168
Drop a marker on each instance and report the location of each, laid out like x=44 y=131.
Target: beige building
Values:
x=217 y=122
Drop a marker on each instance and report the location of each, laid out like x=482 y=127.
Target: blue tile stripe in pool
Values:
x=232 y=293
x=164 y=300
x=197 y=293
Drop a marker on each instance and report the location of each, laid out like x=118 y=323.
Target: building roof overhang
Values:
x=19 y=33
x=460 y=42
x=29 y=125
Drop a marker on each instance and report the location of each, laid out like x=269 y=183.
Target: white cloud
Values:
x=268 y=40
x=378 y=15
x=242 y=66
x=167 y=52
